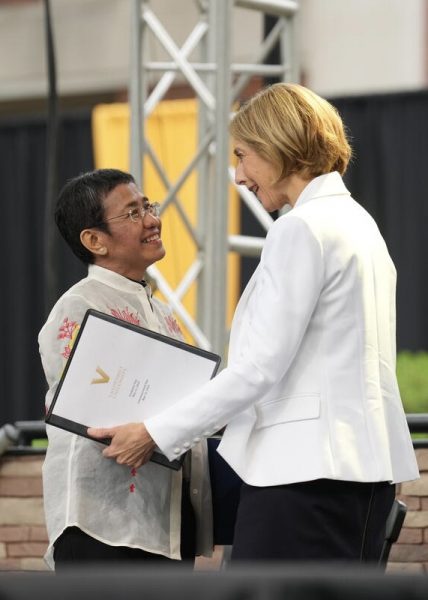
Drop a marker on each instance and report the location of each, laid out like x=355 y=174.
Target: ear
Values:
x=93 y=241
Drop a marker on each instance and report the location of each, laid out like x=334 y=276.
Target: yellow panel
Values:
x=172 y=132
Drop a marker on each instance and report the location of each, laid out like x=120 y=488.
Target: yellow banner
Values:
x=172 y=132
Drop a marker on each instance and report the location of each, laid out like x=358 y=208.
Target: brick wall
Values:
x=23 y=538
x=410 y=553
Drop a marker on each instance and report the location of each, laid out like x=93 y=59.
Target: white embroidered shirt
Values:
x=120 y=506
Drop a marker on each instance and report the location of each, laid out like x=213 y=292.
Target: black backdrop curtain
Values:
x=387 y=176
x=22 y=301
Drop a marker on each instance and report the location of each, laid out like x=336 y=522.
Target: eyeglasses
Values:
x=135 y=214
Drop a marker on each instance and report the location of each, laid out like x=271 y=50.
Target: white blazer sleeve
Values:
x=289 y=282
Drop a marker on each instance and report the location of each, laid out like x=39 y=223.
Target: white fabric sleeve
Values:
x=289 y=283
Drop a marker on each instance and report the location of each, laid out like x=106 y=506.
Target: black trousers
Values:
x=321 y=520
x=74 y=547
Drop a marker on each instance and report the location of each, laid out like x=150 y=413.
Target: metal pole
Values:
x=50 y=270
x=217 y=238
x=135 y=96
x=211 y=80
x=205 y=118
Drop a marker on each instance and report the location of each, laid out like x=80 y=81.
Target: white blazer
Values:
x=310 y=389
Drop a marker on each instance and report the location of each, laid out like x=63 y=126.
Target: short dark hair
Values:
x=80 y=205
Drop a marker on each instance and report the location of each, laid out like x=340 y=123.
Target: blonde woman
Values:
x=315 y=425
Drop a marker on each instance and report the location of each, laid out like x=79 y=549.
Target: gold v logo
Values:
x=103 y=377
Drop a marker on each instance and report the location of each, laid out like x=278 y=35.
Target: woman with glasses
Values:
x=315 y=425
x=98 y=510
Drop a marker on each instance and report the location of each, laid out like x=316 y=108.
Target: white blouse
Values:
x=120 y=506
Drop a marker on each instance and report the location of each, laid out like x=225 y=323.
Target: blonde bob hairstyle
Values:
x=295 y=130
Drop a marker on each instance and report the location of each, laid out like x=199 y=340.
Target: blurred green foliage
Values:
x=39 y=443
x=412 y=375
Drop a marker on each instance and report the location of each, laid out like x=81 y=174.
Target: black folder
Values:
x=119 y=372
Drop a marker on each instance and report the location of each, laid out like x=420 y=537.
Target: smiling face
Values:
x=257 y=175
x=128 y=247
x=260 y=177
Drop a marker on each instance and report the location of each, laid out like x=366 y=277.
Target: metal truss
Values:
x=217 y=83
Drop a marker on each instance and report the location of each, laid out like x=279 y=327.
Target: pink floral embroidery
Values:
x=132 y=487
x=133 y=472
x=171 y=323
x=125 y=315
x=66 y=352
x=68 y=330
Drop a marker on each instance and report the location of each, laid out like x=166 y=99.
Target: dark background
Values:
x=389 y=135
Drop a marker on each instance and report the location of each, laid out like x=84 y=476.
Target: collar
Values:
x=113 y=279
x=330 y=184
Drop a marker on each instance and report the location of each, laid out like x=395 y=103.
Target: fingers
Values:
x=130 y=457
x=130 y=445
x=129 y=460
x=99 y=433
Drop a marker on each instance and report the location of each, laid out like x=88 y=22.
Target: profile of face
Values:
x=133 y=241
x=260 y=177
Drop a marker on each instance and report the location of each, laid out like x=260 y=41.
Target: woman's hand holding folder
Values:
x=131 y=444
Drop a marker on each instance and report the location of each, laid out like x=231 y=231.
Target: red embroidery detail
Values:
x=125 y=315
x=66 y=352
x=171 y=323
x=132 y=487
x=133 y=472
x=68 y=330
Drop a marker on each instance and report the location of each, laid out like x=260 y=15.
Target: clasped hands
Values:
x=131 y=444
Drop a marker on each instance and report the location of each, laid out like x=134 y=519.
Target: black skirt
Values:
x=315 y=520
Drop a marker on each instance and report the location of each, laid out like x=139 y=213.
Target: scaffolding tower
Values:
x=217 y=84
